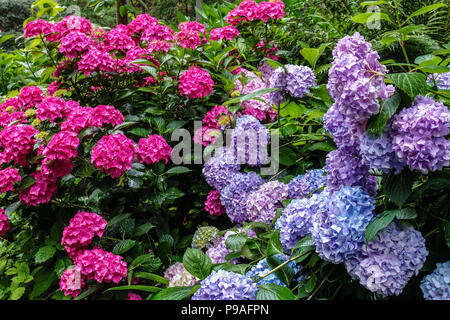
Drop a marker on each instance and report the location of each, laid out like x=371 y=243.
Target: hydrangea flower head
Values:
x=41 y=191
x=225 y=285
x=227 y=33
x=104 y=114
x=72 y=281
x=307 y=184
x=29 y=97
x=389 y=260
x=203 y=235
x=195 y=83
x=8 y=177
x=4 y=222
x=178 y=276
x=245 y=11
x=436 y=286
x=17 y=142
x=37 y=27
x=270 y=10
x=153 y=149
x=74 y=44
x=113 y=154
x=220 y=168
x=213 y=204
x=96 y=60
x=140 y=23
x=133 y=296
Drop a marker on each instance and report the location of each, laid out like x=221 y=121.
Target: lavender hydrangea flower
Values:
x=344 y=169
x=339 y=223
x=218 y=251
x=305 y=184
x=262 y=268
x=236 y=192
x=442 y=80
x=295 y=222
x=249 y=141
x=219 y=170
x=266 y=71
x=378 y=153
x=436 y=286
x=418 y=136
x=389 y=260
x=262 y=204
x=225 y=285
x=298 y=80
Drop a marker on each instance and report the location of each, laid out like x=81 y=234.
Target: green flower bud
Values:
x=203 y=236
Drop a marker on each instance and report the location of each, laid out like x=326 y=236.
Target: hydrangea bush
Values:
x=95 y=204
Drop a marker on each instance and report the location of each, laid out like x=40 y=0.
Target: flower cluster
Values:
x=43 y=189
x=389 y=260
x=72 y=282
x=203 y=236
x=436 y=286
x=133 y=296
x=304 y=185
x=153 y=149
x=195 y=83
x=262 y=268
x=227 y=33
x=178 y=276
x=17 y=142
x=7 y=179
x=220 y=168
x=213 y=204
x=249 y=10
x=4 y=222
x=225 y=285
x=418 y=136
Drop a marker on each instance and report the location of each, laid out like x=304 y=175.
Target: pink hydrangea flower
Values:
x=133 y=296
x=270 y=9
x=50 y=108
x=195 y=83
x=157 y=32
x=118 y=39
x=7 y=118
x=227 y=33
x=37 y=27
x=213 y=204
x=53 y=87
x=4 y=222
x=113 y=154
x=103 y=114
x=74 y=44
x=41 y=191
x=59 y=153
x=101 y=265
x=159 y=46
x=96 y=60
x=29 y=97
x=245 y=11
x=192 y=26
x=72 y=281
x=140 y=23
x=80 y=232
x=206 y=135
x=217 y=117
x=78 y=119
x=11 y=102
x=7 y=179
x=188 y=39
x=153 y=149
x=72 y=23
x=17 y=142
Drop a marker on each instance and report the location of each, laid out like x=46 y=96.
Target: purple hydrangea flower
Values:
x=295 y=222
x=442 y=80
x=436 y=286
x=235 y=194
x=266 y=71
x=418 y=136
x=262 y=268
x=344 y=169
x=389 y=260
x=219 y=170
x=249 y=141
x=298 y=80
x=226 y=285
x=305 y=184
x=378 y=153
x=339 y=223
x=218 y=251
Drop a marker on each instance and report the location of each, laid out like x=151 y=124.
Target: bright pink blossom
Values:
x=227 y=33
x=4 y=222
x=113 y=154
x=133 y=296
x=270 y=9
x=96 y=60
x=29 y=97
x=77 y=120
x=195 y=83
x=157 y=32
x=217 y=117
x=41 y=191
x=72 y=281
x=17 y=142
x=74 y=44
x=50 y=108
x=188 y=39
x=140 y=23
x=118 y=39
x=192 y=26
x=104 y=114
x=7 y=179
x=159 y=46
x=213 y=204
x=37 y=27
x=153 y=149
x=245 y=11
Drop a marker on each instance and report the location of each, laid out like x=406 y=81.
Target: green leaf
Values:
x=381 y=222
x=17 y=293
x=27 y=182
x=373 y=3
x=151 y=276
x=311 y=55
x=274 y=246
x=12 y=208
x=388 y=107
x=399 y=187
x=140 y=132
x=135 y=287
x=425 y=10
x=143 y=229
x=197 y=263
x=285 y=273
x=293 y=110
x=370 y=17
x=44 y=254
x=287 y=156
x=43 y=280
x=174 y=125
x=274 y=292
x=249 y=96
x=412 y=83
x=123 y=246
x=235 y=242
x=310 y=284
x=428 y=60
x=174 y=293
x=178 y=170
x=406 y=214
x=304 y=243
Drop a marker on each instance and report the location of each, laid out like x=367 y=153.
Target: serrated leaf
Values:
x=44 y=254
x=197 y=263
x=287 y=156
x=412 y=83
x=274 y=292
x=381 y=222
x=175 y=293
x=285 y=273
x=17 y=293
x=235 y=242
x=274 y=246
x=123 y=246
x=143 y=229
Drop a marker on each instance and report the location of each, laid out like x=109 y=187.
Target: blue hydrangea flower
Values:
x=305 y=184
x=262 y=204
x=220 y=168
x=344 y=169
x=339 y=223
x=295 y=222
x=235 y=194
x=225 y=285
x=262 y=268
x=249 y=141
x=389 y=260
x=418 y=136
x=436 y=286
x=378 y=153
